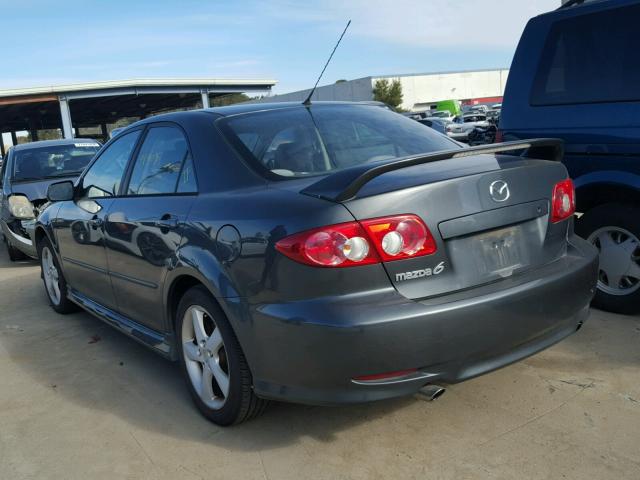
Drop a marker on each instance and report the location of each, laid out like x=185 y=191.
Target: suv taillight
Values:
x=499 y=136
x=563 y=201
x=360 y=243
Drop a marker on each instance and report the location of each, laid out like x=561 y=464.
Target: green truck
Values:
x=452 y=106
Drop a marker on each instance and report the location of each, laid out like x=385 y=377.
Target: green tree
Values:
x=230 y=99
x=388 y=92
x=50 y=134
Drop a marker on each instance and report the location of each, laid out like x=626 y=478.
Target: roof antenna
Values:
x=308 y=100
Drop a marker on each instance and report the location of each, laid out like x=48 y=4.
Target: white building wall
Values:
x=418 y=90
x=353 y=90
x=421 y=90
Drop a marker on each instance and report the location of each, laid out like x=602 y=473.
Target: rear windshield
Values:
x=299 y=141
x=589 y=59
x=52 y=161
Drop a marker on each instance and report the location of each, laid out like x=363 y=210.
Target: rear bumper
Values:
x=458 y=135
x=310 y=351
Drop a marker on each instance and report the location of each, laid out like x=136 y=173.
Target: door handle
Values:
x=96 y=222
x=167 y=222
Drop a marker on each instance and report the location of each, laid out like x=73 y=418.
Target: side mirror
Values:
x=60 y=191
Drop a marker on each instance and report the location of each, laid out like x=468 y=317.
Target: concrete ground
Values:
x=80 y=400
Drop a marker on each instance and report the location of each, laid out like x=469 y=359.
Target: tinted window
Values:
x=159 y=162
x=187 y=182
x=104 y=177
x=52 y=161
x=306 y=141
x=590 y=58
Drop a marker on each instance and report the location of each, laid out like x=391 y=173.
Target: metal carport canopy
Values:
x=31 y=108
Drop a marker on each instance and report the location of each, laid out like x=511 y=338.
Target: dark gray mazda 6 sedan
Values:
x=325 y=254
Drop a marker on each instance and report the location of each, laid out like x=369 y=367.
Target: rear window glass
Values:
x=294 y=142
x=589 y=59
x=52 y=161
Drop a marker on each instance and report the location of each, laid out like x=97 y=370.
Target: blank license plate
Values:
x=500 y=251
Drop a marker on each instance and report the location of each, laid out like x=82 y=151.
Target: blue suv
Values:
x=576 y=76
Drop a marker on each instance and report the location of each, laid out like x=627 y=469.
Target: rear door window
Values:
x=159 y=162
x=589 y=59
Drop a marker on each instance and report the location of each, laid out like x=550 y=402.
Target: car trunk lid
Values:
x=481 y=236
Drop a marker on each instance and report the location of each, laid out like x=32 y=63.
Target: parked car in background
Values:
x=438 y=124
x=482 y=135
x=24 y=178
x=463 y=125
x=478 y=109
x=443 y=114
x=576 y=76
x=366 y=234
x=493 y=116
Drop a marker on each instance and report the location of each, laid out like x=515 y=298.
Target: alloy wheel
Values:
x=51 y=276
x=205 y=357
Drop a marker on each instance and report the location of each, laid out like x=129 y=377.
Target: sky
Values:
x=68 y=41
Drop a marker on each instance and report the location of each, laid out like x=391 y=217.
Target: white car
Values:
x=460 y=128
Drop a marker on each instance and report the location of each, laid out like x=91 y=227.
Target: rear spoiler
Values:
x=345 y=184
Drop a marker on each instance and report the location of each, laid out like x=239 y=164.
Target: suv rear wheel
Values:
x=212 y=361
x=614 y=229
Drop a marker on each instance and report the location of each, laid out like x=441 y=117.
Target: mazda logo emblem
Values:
x=499 y=191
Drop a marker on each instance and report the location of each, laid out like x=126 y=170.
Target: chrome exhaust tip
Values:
x=431 y=392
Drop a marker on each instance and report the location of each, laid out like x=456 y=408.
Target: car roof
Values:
x=49 y=143
x=260 y=107
x=239 y=109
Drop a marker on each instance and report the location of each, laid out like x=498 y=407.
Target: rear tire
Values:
x=212 y=361
x=615 y=230
x=55 y=284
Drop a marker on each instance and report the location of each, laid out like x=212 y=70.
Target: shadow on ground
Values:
x=92 y=365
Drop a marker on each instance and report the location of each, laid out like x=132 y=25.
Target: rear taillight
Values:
x=399 y=237
x=499 y=137
x=341 y=245
x=360 y=243
x=563 y=201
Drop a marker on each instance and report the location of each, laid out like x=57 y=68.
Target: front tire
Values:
x=615 y=230
x=214 y=367
x=54 y=282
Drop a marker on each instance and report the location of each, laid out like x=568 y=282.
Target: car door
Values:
x=143 y=228
x=79 y=225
